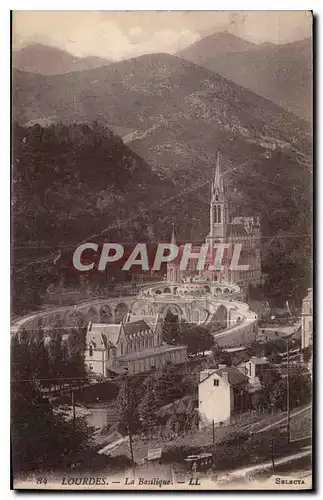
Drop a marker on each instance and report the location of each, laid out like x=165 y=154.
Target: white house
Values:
x=221 y=393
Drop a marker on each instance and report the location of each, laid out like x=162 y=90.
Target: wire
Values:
x=140 y=374
x=198 y=241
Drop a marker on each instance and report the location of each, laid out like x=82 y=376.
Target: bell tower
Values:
x=218 y=207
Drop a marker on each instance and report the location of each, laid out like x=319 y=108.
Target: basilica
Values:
x=209 y=296
x=227 y=231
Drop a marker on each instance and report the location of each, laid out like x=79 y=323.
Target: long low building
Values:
x=151 y=359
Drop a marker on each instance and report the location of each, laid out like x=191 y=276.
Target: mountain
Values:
x=176 y=115
x=173 y=112
x=280 y=73
x=217 y=44
x=72 y=184
x=48 y=60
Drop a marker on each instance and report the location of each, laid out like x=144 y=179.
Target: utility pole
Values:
x=273 y=454
x=73 y=430
x=129 y=427
x=73 y=406
x=287 y=394
x=213 y=431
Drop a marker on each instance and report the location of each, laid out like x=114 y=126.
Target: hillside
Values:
x=48 y=60
x=280 y=73
x=152 y=94
x=216 y=44
x=73 y=184
x=175 y=115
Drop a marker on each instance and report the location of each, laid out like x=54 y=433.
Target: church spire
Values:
x=173 y=240
x=217 y=183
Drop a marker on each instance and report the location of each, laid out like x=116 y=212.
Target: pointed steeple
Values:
x=217 y=183
x=173 y=240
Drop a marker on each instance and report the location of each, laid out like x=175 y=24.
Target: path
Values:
x=274 y=424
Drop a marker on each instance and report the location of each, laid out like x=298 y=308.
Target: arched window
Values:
x=219 y=214
x=91 y=350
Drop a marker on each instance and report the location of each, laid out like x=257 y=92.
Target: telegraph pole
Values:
x=73 y=406
x=129 y=427
x=73 y=430
x=287 y=394
x=273 y=454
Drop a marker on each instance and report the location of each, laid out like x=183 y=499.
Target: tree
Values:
x=271 y=394
x=196 y=337
x=170 y=328
x=42 y=437
x=127 y=403
x=169 y=384
x=220 y=355
x=307 y=353
x=148 y=405
x=274 y=393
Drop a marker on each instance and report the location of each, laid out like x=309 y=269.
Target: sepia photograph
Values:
x=161 y=330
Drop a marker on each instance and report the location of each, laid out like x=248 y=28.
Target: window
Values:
x=91 y=350
x=219 y=214
x=216 y=382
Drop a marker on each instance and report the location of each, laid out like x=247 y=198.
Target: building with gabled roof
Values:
x=227 y=230
x=222 y=392
x=132 y=346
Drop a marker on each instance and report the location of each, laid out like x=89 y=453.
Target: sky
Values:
x=122 y=35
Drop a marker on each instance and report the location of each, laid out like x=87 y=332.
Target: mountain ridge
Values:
x=50 y=60
x=281 y=73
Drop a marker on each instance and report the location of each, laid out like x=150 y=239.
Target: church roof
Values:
x=135 y=327
x=237 y=229
x=102 y=334
x=151 y=320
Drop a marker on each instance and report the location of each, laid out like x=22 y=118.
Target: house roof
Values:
x=154 y=351
x=259 y=361
x=235 y=377
x=239 y=357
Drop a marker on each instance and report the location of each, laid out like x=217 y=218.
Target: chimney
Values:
x=225 y=376
x=221 y=366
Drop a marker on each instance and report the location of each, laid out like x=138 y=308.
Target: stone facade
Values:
x=226 y=230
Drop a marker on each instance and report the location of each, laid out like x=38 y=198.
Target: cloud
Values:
x=121 y=35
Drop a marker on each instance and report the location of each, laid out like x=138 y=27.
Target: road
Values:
x=278 y=422
x=240 y=473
